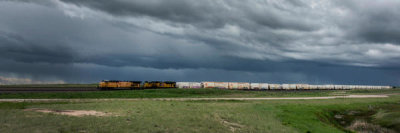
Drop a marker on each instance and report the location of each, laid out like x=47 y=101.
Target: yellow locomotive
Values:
x=115 y=84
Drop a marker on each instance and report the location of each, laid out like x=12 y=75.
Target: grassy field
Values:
x=185 y=116
x=172 y=93
x=196 y=116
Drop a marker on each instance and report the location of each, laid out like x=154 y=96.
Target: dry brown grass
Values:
x=233 y=127
x=361 y=126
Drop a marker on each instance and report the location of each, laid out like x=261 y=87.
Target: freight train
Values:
x=115 y=84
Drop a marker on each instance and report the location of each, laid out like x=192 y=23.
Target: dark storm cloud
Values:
x=206 y=13
x=373 y=21
x=287 y=28
x=174 y=10
x=187 y=40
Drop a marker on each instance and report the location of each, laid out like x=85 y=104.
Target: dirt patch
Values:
x=231 y=125
x=365 y=96
x=70 y=112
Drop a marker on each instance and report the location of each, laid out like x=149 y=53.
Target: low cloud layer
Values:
x=349 y=42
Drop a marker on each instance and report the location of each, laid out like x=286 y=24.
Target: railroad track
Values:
x=46 y=89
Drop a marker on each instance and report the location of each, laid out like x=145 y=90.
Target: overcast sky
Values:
x=272 y=41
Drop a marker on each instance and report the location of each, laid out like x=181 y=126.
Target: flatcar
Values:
x=115 y=84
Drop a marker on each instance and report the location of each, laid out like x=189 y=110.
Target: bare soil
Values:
x=233 y=127
x=69 y=112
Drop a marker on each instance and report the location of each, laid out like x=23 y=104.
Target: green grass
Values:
x=384 y=91
x=186 y=116
x=169 y=93
x=386 y=115
x=146 y=116
x=194 y=116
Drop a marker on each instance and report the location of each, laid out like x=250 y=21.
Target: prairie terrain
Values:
x=83 y=114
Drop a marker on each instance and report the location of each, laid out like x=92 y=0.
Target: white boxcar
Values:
x=274 y=86
x=331 y=87
x=299 y=86
x=326 y=87
x=264 y=86
x=313 y=87
x=244 y=85
x=320 y=87
x=238 y=85
x=195 y=85
x=338 y=87
x=364 y=87
x=233 y=85
x=208 y=84
x=387 y=87
x=351 y=87
x=346 y=87
x=285 y=86
x=182 y=84
x=302 y=86
x=292 y=86
x=306 y=86
x=255 y=85
x=355 y=87
x=358 y=87
x=221 y=85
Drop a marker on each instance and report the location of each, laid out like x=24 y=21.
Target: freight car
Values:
x=115 y=84
x=188 y=85
x=159 y=84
